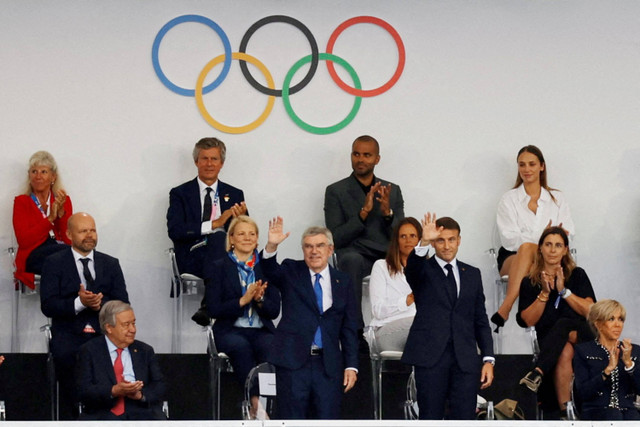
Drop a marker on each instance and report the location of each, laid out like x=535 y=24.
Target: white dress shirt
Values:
x=517 y=224
x=388 y=295
x=205 y=228
x=127 y=364
x=77 y=304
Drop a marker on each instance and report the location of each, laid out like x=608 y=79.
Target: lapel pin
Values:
x=226 y=198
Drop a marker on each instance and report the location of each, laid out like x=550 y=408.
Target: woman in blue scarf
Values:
x=240 y=300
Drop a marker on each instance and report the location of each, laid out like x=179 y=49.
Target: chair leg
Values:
x=215 y=369
x=376 y=386
x=15 y=339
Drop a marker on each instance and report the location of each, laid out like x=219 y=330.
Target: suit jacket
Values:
x=184 y=216
x=439 y=320
x=223 y=290
x=95 y=377
x=59 y=286
x=301 y=317
x=342 y=203
x=589 y=361
x=32 y=229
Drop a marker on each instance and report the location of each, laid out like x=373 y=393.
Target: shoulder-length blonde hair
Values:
x=602 y=310
x=43 y=158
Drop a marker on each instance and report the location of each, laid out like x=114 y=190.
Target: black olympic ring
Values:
x=314 y=54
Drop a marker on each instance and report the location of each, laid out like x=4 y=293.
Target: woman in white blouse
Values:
x=392 y=302
x=523 y=214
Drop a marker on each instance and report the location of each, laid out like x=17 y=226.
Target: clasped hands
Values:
x=255 y=292
x=130 y=389
x=89 y=299
x=380 y=193
x=234 y=211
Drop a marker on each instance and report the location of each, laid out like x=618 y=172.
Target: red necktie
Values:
x=118 y=408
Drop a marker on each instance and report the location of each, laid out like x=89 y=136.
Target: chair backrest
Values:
x=260 y=393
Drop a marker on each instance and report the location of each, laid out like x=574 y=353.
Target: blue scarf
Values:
x=247 y=277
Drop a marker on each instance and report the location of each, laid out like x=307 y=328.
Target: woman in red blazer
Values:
x=40 y=217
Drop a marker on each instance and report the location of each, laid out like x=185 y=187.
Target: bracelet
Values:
x=542 y=299
x=566 y=293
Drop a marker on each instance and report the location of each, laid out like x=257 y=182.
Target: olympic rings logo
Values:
x=287 y=90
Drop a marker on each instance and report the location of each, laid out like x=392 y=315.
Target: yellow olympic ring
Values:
x=203 y=110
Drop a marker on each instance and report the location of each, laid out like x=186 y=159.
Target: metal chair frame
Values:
x=182 y=285
x=269 y=400
x=21 y=291
x=378 y=357
x=218 y=363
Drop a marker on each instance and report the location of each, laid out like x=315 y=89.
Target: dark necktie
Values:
x=88 y=278
x=452 y=288
x=317 y=289
x=206 y=211
x=118 y=369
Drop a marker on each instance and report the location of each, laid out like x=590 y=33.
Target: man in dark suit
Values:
x=118 y=377
x=200 y=212
x=361 y=211
x=75 y=283
x=315 y=345
x=450 y=325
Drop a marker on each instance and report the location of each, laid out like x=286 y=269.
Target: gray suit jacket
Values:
x=342 y=203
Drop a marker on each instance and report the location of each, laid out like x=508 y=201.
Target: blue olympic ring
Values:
x=209 y=23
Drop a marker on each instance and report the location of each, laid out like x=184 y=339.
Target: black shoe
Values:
x=498 y=321
x=532 y=380
x=201 y=317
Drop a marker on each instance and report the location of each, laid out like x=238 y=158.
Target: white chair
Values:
x=21 y=292
x=183 y=286
x=263 y=379
x=379 y=358
x=218 y=363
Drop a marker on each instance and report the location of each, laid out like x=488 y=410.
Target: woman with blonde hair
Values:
x=40 y=217
x=607 y=378
x=240 y=301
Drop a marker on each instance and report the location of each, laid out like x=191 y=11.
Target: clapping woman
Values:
x=40 y=217
x=607 y=378
x=555 y=298
x=240 y=301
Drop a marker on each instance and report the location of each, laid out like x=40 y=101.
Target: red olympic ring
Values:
x=401 y=56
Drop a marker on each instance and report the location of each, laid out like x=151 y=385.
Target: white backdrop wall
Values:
x=481 y=80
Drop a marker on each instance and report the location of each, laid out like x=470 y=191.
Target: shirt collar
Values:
x=545 y=196
x=77 y=256
x=442 y=263
x=324 y=273
x=203 y=186
x=111 y=346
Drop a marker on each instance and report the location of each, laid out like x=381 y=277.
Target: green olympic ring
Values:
x=297 y=120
